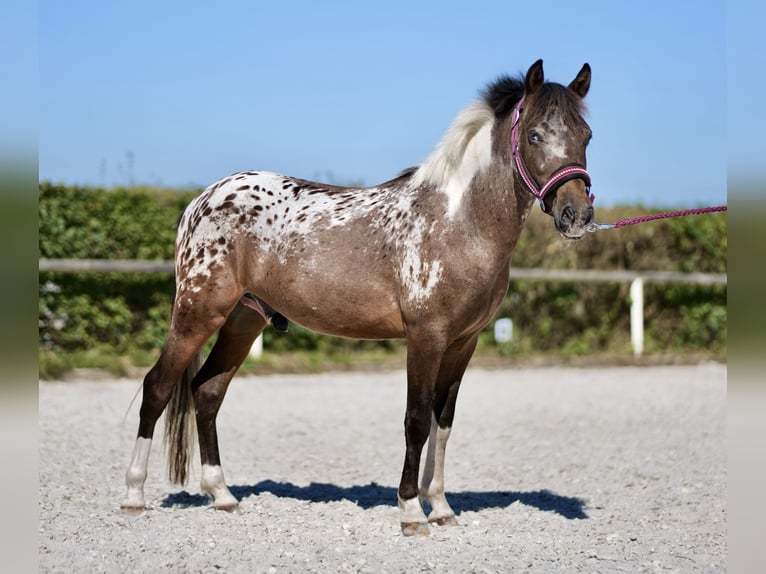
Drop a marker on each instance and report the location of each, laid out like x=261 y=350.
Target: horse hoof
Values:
x=415 y=529
x=445 y=521
x=228 y=507
x=131 y=509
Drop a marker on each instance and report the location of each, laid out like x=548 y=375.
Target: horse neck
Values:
x=498 y=203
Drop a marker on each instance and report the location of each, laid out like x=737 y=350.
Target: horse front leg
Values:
x=432 y=482
x=423 y=359
x=209 y=389
x=451 y=372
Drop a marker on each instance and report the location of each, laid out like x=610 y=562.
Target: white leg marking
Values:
x=136 y=474
x=411 y=510
x=432 y=483
x=213 y=483
x=413 y=519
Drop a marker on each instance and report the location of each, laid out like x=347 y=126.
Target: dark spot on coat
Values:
x=243 y=188
x=220 y=184
x=230 y=197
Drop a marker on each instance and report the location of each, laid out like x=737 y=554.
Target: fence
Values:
x=636 y=279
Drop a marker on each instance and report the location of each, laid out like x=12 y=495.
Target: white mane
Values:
x=463 y=152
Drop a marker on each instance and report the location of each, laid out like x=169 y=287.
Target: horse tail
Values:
x=180 y=424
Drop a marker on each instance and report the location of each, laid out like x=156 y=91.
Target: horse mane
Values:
x=503 y=94
x=466 y=148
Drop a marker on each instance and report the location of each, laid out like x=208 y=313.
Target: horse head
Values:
x=549 y=139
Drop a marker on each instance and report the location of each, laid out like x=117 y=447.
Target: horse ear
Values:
x=581 y=83
x=534 y=78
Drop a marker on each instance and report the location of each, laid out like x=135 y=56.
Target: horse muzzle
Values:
x=572 y=210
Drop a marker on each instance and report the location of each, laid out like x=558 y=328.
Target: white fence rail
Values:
x=635 y=278
x=106 y=265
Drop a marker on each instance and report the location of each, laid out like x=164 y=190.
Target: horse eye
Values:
x=534 y=137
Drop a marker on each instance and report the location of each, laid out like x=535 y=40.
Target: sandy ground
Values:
x=549 y=470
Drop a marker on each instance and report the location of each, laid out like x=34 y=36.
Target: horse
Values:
x=424 y=257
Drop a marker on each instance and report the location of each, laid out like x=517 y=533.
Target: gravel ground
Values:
x=549 y=470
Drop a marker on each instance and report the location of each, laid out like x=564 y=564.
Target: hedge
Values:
x=127 y=314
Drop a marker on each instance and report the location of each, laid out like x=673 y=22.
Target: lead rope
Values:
x=592 y=227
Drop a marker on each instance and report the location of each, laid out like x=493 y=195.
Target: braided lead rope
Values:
x=635 y=220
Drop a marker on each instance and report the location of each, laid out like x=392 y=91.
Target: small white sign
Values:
x=503 y=330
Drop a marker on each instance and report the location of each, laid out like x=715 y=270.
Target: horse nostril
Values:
x=567 y=215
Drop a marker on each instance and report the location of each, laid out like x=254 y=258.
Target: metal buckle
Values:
x=593 y=227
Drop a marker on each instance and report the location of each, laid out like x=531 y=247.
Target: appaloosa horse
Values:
x=424 y=257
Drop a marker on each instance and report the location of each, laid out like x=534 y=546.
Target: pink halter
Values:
x=561 y=175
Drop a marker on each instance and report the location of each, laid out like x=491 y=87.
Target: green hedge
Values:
x=127 y=314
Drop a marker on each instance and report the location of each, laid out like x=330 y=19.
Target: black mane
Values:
x=503 y=94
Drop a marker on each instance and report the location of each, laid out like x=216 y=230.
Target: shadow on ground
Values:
x=374 y=494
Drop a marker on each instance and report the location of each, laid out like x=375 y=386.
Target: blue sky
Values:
x=183 y=93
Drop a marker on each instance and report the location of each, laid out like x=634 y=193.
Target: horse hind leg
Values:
x=451 y=372
x=209 y=388
x=192 y=324
x=157 y=388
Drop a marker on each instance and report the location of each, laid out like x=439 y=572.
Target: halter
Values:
x=563 y=174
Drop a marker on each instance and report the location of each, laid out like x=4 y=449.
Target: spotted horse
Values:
x=424 y=257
